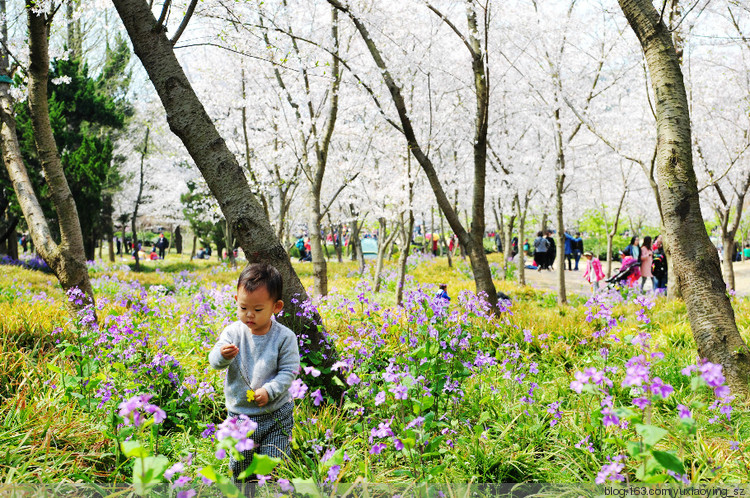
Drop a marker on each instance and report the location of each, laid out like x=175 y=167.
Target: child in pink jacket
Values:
x=593 y=273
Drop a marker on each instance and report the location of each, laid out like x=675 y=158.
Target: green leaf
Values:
x=306 y=487
x=209 y=473
x=651 y=434
x=634 y=448
x=669 y=461
x=149 y=470
x=336 y=459
x=133 y=449
x=264 y=464
x=54 y=368
x=427 y=402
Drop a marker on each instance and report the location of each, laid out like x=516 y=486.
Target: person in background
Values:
x=443 y=294
x=541 y=246
x=659 y=265
x=593 y=273
x=526 y=246
x=746 y=251
x=647 y=258
x=632 y=250
x=551 y=252
x=577 y=249
x=569 y=251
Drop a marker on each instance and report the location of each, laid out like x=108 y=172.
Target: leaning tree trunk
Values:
x=696 y=263
x=67 y=259
x=188 y=119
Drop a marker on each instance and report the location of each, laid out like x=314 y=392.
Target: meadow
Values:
x=603 y=390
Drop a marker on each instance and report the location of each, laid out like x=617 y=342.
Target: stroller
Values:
x=627 y=275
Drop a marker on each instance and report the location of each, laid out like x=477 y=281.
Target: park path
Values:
x=574 y=279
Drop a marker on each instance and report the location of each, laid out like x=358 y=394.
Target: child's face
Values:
x=589 y=257
x=255 y=309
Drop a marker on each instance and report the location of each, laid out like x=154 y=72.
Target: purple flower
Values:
x=399 y=391
x=734 y=445
x=333 y=473
x=659 y=388
x=352 y=380
x=711 y=373
x=383 y=430
x=377 y=448
x=317 y=397
x=262 y=479
x=312 y=371
x=174 y=469
x=641 y=402
x=635 y=375
x=398 y=444
x=609 y=417
x=417 y=422
x=610 y=472
x=181 y=482
x=684 y=411
x=188 y=493
x=286 y=486
x=380 y=398
x=245 y=445
x=298 y=389
x=221 y=453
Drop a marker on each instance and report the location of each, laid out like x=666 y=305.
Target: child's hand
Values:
x=261 y=397
x=229 y=351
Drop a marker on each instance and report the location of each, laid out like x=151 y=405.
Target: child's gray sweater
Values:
x=270 y=361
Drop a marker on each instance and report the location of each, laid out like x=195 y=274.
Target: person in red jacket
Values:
x=593 y=273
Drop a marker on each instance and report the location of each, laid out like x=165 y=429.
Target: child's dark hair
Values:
x=443 y=286
x=256 y=275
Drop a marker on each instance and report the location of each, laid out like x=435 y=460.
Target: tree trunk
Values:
x=521 y=215
x=195 y=243
x=319 y=263
x=188 y=119
x=562 y=297
x=134 y=219
x=610 y=239
x=406 y=230
x=336 y=236
x=696 y=263
x=444 y=242
x=178 y=239
x=67 y=259
x=727 y=241
x=384 y=246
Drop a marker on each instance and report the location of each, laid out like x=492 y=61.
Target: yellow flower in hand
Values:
x=250 y=395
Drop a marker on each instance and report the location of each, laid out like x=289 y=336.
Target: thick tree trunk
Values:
x=67 y=259
x=696 y=263
x=178 y=239
x=188 y=119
